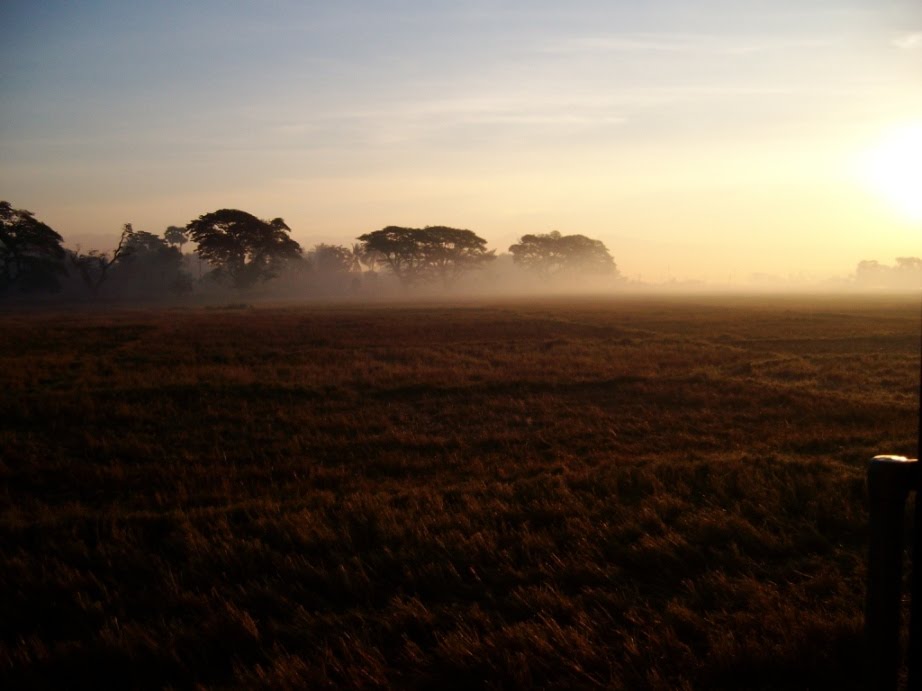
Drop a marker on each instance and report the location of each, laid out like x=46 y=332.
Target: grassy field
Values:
x=627 y=493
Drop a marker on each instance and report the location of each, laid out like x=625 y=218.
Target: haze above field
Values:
x=709 y=141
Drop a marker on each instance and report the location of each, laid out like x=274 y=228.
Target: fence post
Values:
x=914 y=651
x=890 y=479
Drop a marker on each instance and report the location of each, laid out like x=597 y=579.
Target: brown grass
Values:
x=628 y=493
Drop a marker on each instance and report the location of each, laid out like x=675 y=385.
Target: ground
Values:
x=625 y=492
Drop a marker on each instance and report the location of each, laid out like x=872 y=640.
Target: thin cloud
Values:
x=462 y=111
x=612 y=44
x=911 y=41
x=681 y=43
x=550 y=119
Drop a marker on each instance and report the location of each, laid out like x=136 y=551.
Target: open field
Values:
x=632 y=493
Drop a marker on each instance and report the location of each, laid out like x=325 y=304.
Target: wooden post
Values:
x=890 y=479
x=914 y=651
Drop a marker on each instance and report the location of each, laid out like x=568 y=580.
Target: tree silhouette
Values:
x=94 y=266
x=243 y=249
x=419 y=254
x=553 y=254
x=358 y=258
x=331 y=259
x=909 y=265
x=149 y=265
x=175 y=236
x=907 y=273
x=31 y=255
x=398 y=249
x=451 y=252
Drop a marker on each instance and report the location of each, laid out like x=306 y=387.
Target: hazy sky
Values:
x=697 y=140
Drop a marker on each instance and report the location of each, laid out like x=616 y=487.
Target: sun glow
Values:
x=894 y=170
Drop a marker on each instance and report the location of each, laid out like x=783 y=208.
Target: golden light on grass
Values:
x=893 y=168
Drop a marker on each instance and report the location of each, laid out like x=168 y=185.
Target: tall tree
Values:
x=451 y=252
x=553 y=254
x=149 y=266
x=243 y=249
x=175 y=236
x=363 y=257
x=93 y=266
x=31 y=255
x=399 y=249
x=420 y=254
x=356 y=257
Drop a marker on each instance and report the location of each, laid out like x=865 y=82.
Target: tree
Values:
x=244 y=249
x=359 y=258
x=175 y=236
x=363 y=257
x=553 y=254
x=912 y=265
x=907 y=273
x=94 y=266
x=398 y=249
x=870 y=271
x=451 y=252
x=414 y=254
x=148 y=265
x=331 y=259
x=31 y=255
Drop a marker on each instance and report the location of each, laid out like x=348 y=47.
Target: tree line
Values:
x=905 y=273
x=237 y=249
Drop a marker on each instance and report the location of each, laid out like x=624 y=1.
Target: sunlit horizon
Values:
x=711 y=144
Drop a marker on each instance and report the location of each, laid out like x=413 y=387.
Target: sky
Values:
x=706 y=141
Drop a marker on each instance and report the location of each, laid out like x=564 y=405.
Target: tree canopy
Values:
x=31 y=255
x=906 y=273
x=149 y=265
x=243 y=249
x=331 y=259
x=93 y=266
x=174 y=235
x=552 y=254
x=434 y=252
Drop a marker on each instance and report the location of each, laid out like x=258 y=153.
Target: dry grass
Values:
x=630 y=494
